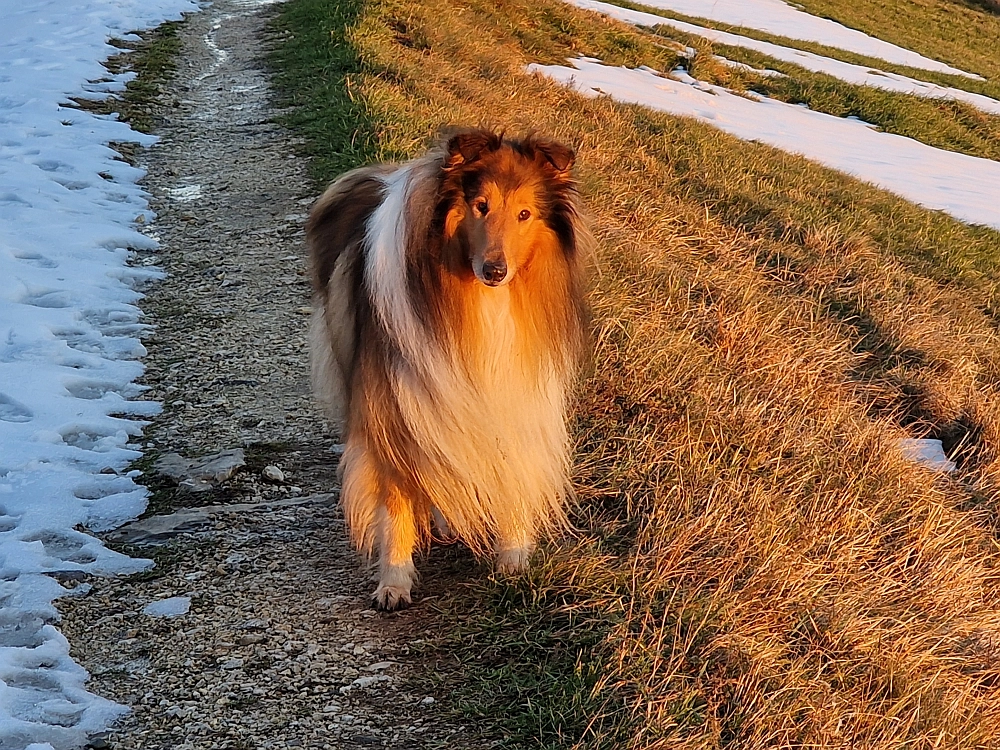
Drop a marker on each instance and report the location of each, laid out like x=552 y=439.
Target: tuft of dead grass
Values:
x=756 y=565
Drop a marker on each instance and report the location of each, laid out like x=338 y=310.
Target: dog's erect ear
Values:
x=467 y=146
x=559 y=156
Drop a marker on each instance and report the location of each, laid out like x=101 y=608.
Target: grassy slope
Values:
x=936 y=38
x=950 y=125
x=962 y=34
x=756 y=566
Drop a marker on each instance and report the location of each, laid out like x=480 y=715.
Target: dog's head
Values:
x=506 y=200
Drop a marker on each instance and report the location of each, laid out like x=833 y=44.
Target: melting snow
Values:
x=963 y=186
x=69 y=329
x=926 y=452
x=781 y=19
x=185 y=193
x=859 y=75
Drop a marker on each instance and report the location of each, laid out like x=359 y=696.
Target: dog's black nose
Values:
x=494 y=271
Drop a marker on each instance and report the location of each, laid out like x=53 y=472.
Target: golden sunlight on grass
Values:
x=757 y=566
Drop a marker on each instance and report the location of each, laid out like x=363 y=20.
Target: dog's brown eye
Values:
x=524 y=215
x=482 y=207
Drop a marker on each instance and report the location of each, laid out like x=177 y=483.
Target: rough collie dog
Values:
x=448 y=326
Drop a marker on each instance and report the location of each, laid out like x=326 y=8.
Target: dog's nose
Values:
x=494 y=271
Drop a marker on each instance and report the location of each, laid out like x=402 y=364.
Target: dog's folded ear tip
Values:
x=559 y=155
x=468 y=144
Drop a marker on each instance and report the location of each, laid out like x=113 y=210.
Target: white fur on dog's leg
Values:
x=442 y=529
x=514 y=559
x=394 y=585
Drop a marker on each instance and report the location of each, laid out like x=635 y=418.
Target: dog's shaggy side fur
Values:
x=448 y=328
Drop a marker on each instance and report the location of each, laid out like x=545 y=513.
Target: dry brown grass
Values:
x=757 y=566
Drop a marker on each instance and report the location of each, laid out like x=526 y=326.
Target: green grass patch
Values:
x=152 y=60
x=316 y=65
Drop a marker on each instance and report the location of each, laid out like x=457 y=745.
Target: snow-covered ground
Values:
x=856 y=74
x=963 y=186
x=69 y=330
x=779 y=18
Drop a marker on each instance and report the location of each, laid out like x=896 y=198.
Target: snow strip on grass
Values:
x=856 y=74
x=963 y=186
x=69 y=330
x=778 y=18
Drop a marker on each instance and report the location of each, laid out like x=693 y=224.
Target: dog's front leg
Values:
x=397 y=539
x=514 y=550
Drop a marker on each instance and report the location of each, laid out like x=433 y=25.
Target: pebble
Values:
x=274 y=474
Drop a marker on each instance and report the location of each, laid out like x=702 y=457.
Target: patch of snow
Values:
x=175 y=606
x=781 y=19
x=963 y=186
x=69 y=340
x=185 y=193
x=765 y=72
x=858 y=75
x=928 y=453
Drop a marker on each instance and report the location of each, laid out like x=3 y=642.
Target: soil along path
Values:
x=260 y=634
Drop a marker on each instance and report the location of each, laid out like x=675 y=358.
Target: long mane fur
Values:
x=452 y=394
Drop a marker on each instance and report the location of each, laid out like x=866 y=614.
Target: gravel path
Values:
x=279 y=647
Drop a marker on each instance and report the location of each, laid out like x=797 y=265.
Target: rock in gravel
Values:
x=162 y=528
x=274 y=474
x=201 y=474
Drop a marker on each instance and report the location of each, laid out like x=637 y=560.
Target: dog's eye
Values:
x=482 y=207
x=524 y=215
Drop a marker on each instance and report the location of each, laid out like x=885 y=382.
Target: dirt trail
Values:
x=279 y=648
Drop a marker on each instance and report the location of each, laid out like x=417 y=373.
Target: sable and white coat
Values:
x=448 y=328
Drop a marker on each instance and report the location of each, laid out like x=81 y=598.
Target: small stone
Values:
x=193 y=484
x=274 y=474
x=175 y=606
x=233 y=664
x=251 y=639
x=200 y=474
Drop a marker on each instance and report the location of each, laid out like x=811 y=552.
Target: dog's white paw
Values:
x=394 y=585
x=391 y=598
x=512 y=560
